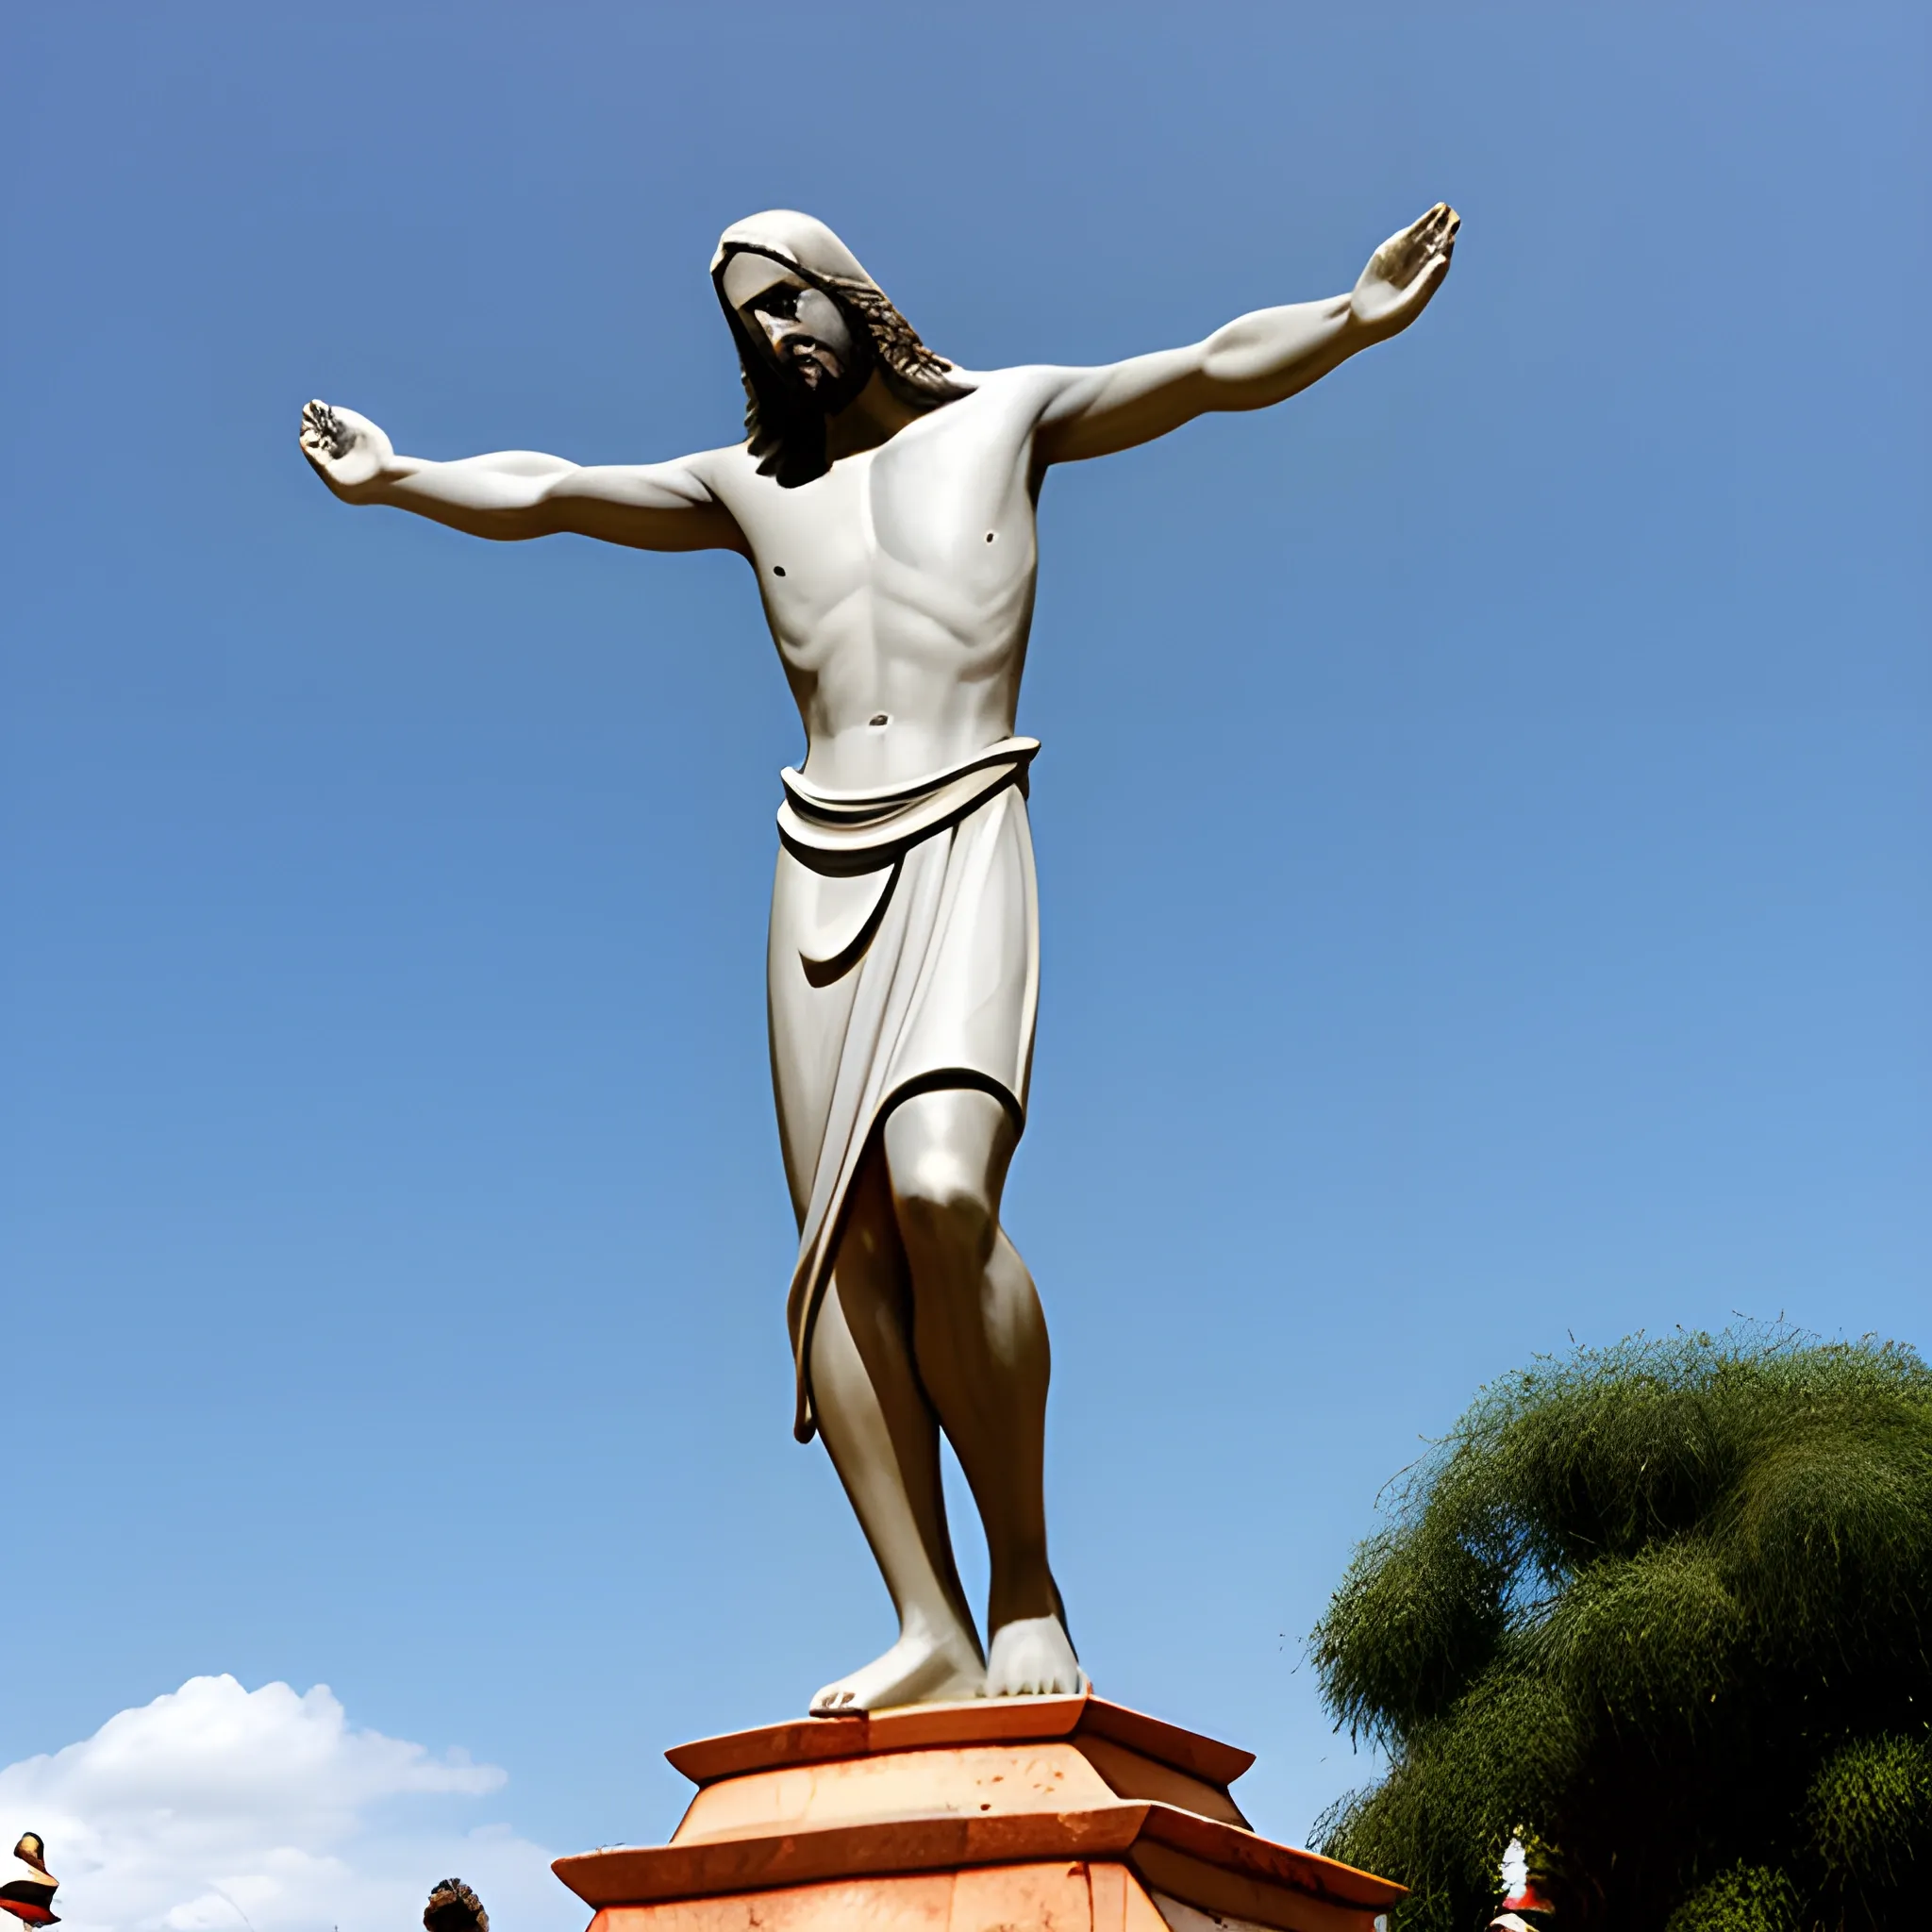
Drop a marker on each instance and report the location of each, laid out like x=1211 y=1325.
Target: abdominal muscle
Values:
x=892 y=693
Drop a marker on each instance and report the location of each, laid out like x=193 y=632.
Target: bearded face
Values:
x=798 y=330
x=813 y=329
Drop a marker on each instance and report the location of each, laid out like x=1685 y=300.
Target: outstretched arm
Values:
x=1256 y=359
x=516 y=493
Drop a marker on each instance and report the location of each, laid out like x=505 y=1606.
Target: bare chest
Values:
x=937 y=522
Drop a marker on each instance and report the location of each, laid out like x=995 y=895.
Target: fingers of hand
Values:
x=1439 y=226
x=323 y=432
x=1421 y=246
x=1398 y=258
x=1425 y=283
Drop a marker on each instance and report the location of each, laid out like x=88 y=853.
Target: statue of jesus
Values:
x=885 y=499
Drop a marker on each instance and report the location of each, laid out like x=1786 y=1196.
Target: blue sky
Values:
x=1482 y=824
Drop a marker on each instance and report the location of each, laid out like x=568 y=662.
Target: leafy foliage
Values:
x=1747 y=1898
x=1665 y=1608
x=1871 y=1813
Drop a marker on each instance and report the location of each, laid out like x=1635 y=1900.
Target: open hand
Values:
x=1405 y=272
x=347 y=450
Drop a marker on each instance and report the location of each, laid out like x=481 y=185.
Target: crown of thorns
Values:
x=454 y=1907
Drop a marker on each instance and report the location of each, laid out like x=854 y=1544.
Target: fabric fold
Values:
x=904 y=956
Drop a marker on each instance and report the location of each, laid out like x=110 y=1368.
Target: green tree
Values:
x=1664 y=1608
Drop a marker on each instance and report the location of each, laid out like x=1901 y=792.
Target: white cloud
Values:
x=216 y=1808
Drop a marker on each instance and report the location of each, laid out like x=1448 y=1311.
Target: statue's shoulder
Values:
x=1021 y=379
x=1014 y=396
x=724 y=460
x=720 y=470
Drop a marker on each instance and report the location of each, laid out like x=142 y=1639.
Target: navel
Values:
x=778 y=569
x=878 y=718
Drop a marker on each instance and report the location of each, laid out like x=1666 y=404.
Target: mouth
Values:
x=813 y=363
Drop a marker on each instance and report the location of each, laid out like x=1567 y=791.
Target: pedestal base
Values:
x=1003 y=1815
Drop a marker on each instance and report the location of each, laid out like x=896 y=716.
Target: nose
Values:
x=776 y=327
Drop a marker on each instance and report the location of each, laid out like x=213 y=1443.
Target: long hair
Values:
x=787 y=431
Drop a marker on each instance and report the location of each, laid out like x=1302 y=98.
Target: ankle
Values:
x=1021 y=1602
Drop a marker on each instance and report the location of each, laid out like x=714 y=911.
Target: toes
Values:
x=836 y=1701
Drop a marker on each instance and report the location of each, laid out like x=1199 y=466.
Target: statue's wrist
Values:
x=388 y=473
x=366 y=490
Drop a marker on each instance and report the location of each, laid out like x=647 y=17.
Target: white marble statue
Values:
x=885 y=499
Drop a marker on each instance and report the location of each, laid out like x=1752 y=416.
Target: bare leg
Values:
x=884 y=1442
x=980 y=1344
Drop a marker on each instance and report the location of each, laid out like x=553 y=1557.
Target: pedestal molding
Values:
x=997 y=1805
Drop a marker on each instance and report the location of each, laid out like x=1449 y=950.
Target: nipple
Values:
x=777 y=570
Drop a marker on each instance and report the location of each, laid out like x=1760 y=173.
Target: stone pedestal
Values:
x=1037 y=1814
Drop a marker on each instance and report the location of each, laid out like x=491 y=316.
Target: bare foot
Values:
x=1032 y=1657
x=921 y=1668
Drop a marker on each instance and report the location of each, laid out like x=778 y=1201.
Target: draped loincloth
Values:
x=904 y=956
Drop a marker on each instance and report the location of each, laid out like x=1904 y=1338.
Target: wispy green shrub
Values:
x=1747 y=1898
x=1666 y=1606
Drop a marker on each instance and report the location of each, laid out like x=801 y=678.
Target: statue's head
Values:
x=812 y=330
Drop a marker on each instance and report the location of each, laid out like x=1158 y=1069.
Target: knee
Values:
x=942 y=1208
